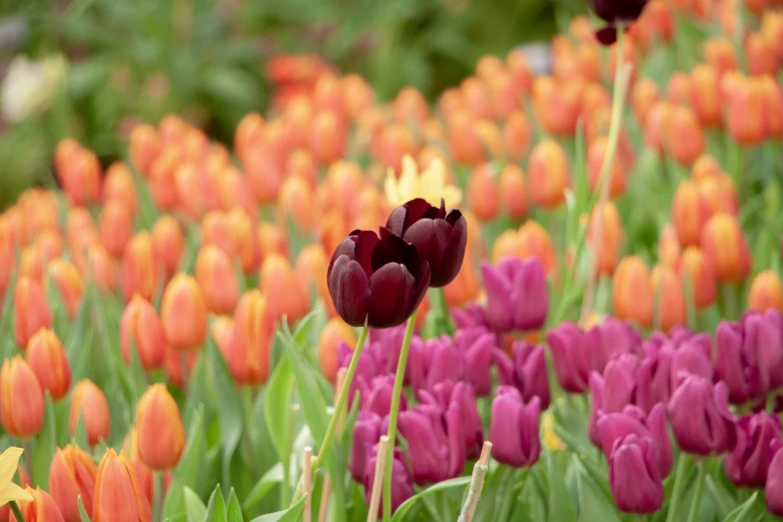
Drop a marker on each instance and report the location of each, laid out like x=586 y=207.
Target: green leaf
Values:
x=234 y=511
x=291 y=514
x=560 y=505
x=189 y=468
x=194 y=507
x=76 y=342
x=80 y=434
x=82 y=511
x=264 y=485
x=216 y=508
x=742 y=512
x=277 y=409
x=592 y=501
x=46 y=443
x=459 y=482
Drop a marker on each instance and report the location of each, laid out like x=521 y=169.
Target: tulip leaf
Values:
x=719 y=495
x=46 y=443
x=291 y=514
x=277 y=409
x=234 y=510
x=82 y=511
x=194 y=507
x=560 y=505
x=264 y=485
x=80 y=434
x=138 y=378
x=592 y=500
x=216 y=508
x=147 y=209
x=742 y=512
x=75 y=342
x=61 y=323
x=459 y=482
x=188 y=469
x=7 y=316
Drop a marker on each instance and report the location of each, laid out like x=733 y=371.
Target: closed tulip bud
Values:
x=46 y=356
x=69 y=283
x=669 y=294
x=517 y=135
x=248 y=355
x=700 y=273
x=22 y=402
x=42 y=508
x=761 y=57
x=78 y=171
x=31 y=310
x=517 y=294
x=705 y=96
x=271 y=239
x=634 y=477
x=745 y=113
x=279 y=279
x=513 y=429
x=49 y=242
x=632 y=292
x=141 y=329
x=595 y=159
x=450 y=396
x=685 y=139
x=644 y=94
x=168 y=243
x=311 y=267
x=248 y=133
x=465 y=287
x=700 y=417
x=611 y=236
x=436 y=444
x=512 y=191
x=535 y=242
x=477 y=346
x=482 y=190
x=690 y=213
x=140 y=270
x=118 y=495
x=358 y=95
x=179 y=368
x=327 y=137
x=89 y=403
x=101 y=269
x=144 y=147
x=548 y=174
x=572 y=356
x=679 y=88
x=526 y=371
x=334 y=333
x=749 y=461
x=376 y=395
x=435 y=361
x=217 y=279
x=161 y=435
x=72 y=475
x=183 y=313
x=557 y=104
x=773 y=491
x=32 y=264
x=724 y=244
x=297 y=200
x=392 y=142
x=367 y=430
x=766 y=292
x=120 y=187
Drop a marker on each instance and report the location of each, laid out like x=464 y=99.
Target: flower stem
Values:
x=17 y=511
x=247 y=406
x=696 y=503
x=393 y=413
x=679 y=483
x=157 y=496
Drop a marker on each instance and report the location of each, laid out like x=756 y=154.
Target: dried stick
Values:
x=377 y=483
x=476 y=484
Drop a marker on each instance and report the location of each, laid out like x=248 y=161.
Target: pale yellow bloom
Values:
x=549 y=437
x=429 y=185
x=9 y=462
x=30 y=86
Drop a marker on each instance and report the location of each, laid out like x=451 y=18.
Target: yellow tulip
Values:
x=430 y=185
x=9 y=462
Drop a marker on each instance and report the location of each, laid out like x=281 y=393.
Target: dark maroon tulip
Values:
x=773 y=491
x=517 y=294
x=439 y=238
x=448 y=395
x=376 y=396
x=527 y=372
x=700 y=417
x=614 y=426
x=436 y=442
x=572 y=351
x=377 y=281
x=434 y=361
x=367 y=431
x=748 y=463
x=476 y=346
x=402 y=483
x=513 y=429
x=614 y=13
x=634 y=478
x=654 y=378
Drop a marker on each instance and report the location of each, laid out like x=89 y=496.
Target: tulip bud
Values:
x=183 y=313
x=72 y=475
x=685 y=139
x=595 y=159
x=556 y=104
x=690 y=213
x=773 y=491
x=271 y=239
x=701 y=275
x=248 y=354
x=42 y=508
x=766 y=292
x=435 y=442
x=517 y=294
x=89 y=403
x=513 y=429
x=749 y=461
x=101 y=269
x=745 y=112
x=705 y=96
x=670 y=297
x=483 y=193
x=367 y=431
x=297 y=200
x=512 y=191
x=161 y=435
x=634 y=478
x=402 y=483
x=46 y=356
x=334 y=333
x=761 y=56
x=31 y=310
x=118 y=496
x=611 y=236
x=217 y=280
x=526 y=372
x=700 y=417
x=279 y=279
x=435 y=361
x=22 y=399
x=120 y=187
x=144 y=147
x=69 y=283
x=632 y=292
x=78 y=171
x=168 y=243
x=517 y=135
x=116 y=226
x=139 y=268
x=572 y=352
x=643 y=95
x=669 y=249
x=464 y=289
x=548 y=174
x=449 y=396
x=724 y=244
x=32 y=263
x=141 y=326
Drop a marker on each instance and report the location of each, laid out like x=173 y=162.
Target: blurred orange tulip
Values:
x=297 y=200
x=144 y=147
x=512 y=191
x=557 y=104
x=249 y=132
x=278 y=279
x=46 y=356
x=483 y=193
x=168 y=243
x=536 y=242
x=31 y=310
x=42 y=508
x=161 y=435
x=89 y=403
x=632 y=291
x=140 y=272
x=595 y=159
x=69 y=283
x=465 y=287
x=217 y=279
x=78 y=171
x=141 y=330
x=548 y=174
x=334 y=333
x=719 y=53
x=120 y=187
x=705 y=96
x=725 y=246
x=766 y=292
x=183 y=313
x=21 y=400
x=118 y=495
x=608 y=252
x=272 y=239
x=162 y=179
x=762 y=57
x=517 y=135
x=311 y=266
x=670 y=297
x=703 y=281
x=669 y=248
x=391 y=143
x=685 y=139
x=248 y=351
x=327 y=137
x=101 y=268
x=644 y=94
x=690 y=213
x=116 y=225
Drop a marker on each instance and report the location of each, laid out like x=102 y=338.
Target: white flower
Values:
x=30 y=86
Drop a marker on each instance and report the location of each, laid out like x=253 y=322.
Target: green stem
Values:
x=247 y=406
x=17 y=511
x=445 y=509
x=393 y=413
x=157 y=496
x=285 y=489
x=444 y=310
x=679 y=483
x=731 y=306
x=696 y=503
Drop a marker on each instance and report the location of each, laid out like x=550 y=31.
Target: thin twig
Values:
x=327 y=487
x=307 y=474
x=476 y=484
x=377 y=482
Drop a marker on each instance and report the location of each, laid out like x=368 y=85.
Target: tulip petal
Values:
x=350 y=290
x=366 y=245
x=9 y=462
x=13 y=492
x=391 y=292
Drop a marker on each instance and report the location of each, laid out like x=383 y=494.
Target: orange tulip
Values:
x=334 y=333
x=632 y=291
x=678 y=90
x=508 y=243
x=410 y=106
x=762 y=57
x=140 y=269
x=78 y=171
x=595 y=159
x=521 y=75
x=46 y=356
x=174 y=363
x=482 y=192
x=263 y=166
x=745 y=118
x=311 y=266
x=357 y=95
x=512 y=191
x=705 y=96
x=327 y=137
x=69 y=283
x=766 y=292
x=89 y=403
x=703 y=281
x=217 y=279
x=191 y=186
x=669 y=296
x=772 y=30
x=719 y=53
x=32 y=263
x=279 y=279
x=42 y=508
x=168 y=243
x=391 y=143
x=725 y=246
x=31 y=310
x=690 y=213
x=120 y=187
x=344 y=182
x=517 y=135
x=297 y=200
x=162 y=178
x=161 y=435
x=144 y=147
x=476 y=97
x=49 y=242
x=143 y=473
x=141 y=326
x=655 y=125
x=328 y=95
x=183 y=313
x=118 y=495
x=464 y=141
x=719 y=194
x=72 y=475
x=272 y=239
x=643 y=96
x=669 y=248
x=536 y=242
x=685 y=139
x=222 y=332
x=102 y=269
x=249 y=132
x=248 y=354
x=557 y=104
x=548 y=174
x=608 y=251
x=301 y=164
x=233 y=192
x=465 y=287
x=22 y=399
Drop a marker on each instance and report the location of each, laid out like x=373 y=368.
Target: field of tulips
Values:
x=543 y=298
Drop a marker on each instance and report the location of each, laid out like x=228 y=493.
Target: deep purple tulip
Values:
x=614 y=13
x=748 y=463
x=527 y=372
x=434 y=361
x=614 y=426
x=367 y=431
x=517 y=294
x=513 y=429
x=448 y=395
x=476 y=346
x=436 y=442
x=402 y=483
x=654 y=378
x=439 y=238
x=376 y=396
x=634 y=478
x=773 y=491
x=571 y=356
x=691 y=358
x=700 y=417
x=380 y=281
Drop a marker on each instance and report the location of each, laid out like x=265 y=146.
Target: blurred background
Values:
x=90 y=69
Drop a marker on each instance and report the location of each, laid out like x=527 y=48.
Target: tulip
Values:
x=611 y=237
x=376 y=281
x=669 y=249
x=42 y=508
x=401 y=482
x=116 y=226
x=140 y=270
x=297 y=200
x=278 y=279
x=748 y=463
x=685 y=139
x=691 y=358
x=513 y=429
x=46 y=356
x=22 y=399
x=512 y=191
x=477 y=346
x=334 y=333
x=617 y=173
x=632 y=293
x=766 y=292
x=31 y=310
x=102 y=269
x=89 y=403
x=700 y=417
x=695 y=266
x=527 y=372
x=179 y=368
x=367 y=431
x=141 y=326
x=118 y=495
x=450 y=396
x=690 y=213
x=248 y=354
x=72 y=475
x=573 y=356
x=69 y=283
x=183 y=313
x=669 y=296
x=705 y=95
x=483 y=194
x=217 y=280
x=634 y=477
x=311 y=267
x=644 y=94
x=376 y=395
x=655 y=378
x=517 y=294
x=120 y=187
x=617 y=387
x=435 y=361
x=436 y=442
x=161 y=435
x=615 y=13
x=773 y=491
x=78 y=171
x=144 y=146
x=168 y=243
x=517 y=134
x=548 y=174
